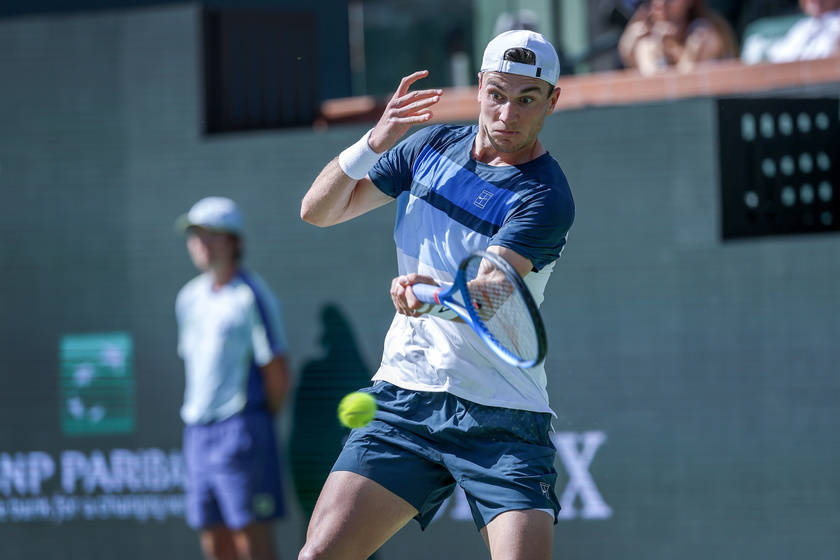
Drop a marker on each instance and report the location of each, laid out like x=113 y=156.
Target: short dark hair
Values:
x=521 y=55
x=524 y=56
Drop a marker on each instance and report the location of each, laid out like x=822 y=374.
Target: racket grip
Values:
x=426 y=293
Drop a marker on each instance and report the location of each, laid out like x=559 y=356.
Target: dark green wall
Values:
x=701 y=374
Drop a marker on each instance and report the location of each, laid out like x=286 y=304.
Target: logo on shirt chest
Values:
x=483 y=198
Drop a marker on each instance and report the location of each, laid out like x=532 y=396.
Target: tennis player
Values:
x=450 y=411
x=231 y=338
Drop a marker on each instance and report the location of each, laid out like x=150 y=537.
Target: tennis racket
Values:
x=491 y=297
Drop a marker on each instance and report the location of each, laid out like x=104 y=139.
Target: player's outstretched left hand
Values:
x=404 y=110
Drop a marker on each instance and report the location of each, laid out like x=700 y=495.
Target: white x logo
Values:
x=576 y=451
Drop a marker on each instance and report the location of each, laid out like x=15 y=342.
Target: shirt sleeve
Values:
x=268 y=334
x=392 y=174
x=275 y=326
x=537 y=226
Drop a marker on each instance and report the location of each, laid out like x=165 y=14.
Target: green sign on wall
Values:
x=96 y=384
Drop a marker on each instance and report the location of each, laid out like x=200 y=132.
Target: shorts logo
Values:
x=263 y=505
x=545 y=488
x=482 y=199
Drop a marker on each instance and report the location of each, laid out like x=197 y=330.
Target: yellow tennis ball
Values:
x=356 y=409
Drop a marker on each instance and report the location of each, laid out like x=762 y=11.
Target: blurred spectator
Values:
x=741 y=13
x=817 y=35
x=665 y=34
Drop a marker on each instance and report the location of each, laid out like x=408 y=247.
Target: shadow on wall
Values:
x=317 y=436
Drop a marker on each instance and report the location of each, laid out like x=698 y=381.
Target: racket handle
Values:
x=426 y=293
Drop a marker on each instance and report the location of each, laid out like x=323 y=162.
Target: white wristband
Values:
x=359 y=158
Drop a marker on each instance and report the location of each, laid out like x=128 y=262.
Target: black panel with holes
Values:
x=779 y=166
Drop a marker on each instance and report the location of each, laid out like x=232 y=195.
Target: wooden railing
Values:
x=618 y=88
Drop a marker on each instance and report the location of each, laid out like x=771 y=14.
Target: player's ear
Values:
x=480 y=78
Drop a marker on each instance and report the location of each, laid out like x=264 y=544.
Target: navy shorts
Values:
x=420 y=444
x=233 y=472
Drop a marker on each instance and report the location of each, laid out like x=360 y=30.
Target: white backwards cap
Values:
x=547 y=65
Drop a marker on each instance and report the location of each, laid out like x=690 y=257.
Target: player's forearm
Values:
x=275 y=403
x=329 y=196
x=276 y=380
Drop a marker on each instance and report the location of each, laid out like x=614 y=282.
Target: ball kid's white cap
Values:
x=547 y=66
x=215 y=213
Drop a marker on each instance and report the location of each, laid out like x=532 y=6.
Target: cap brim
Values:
x=182 y=223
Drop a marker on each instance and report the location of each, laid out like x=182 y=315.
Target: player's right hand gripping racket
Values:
x=491 y=297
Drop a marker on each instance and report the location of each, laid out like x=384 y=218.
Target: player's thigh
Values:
x=353 y=517
x=520 y=535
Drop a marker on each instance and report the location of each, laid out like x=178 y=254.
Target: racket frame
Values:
x=445 y=295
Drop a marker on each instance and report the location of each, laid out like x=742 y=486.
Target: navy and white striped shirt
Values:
x=450 y=205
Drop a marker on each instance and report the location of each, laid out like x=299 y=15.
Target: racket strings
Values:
x=502 y=310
